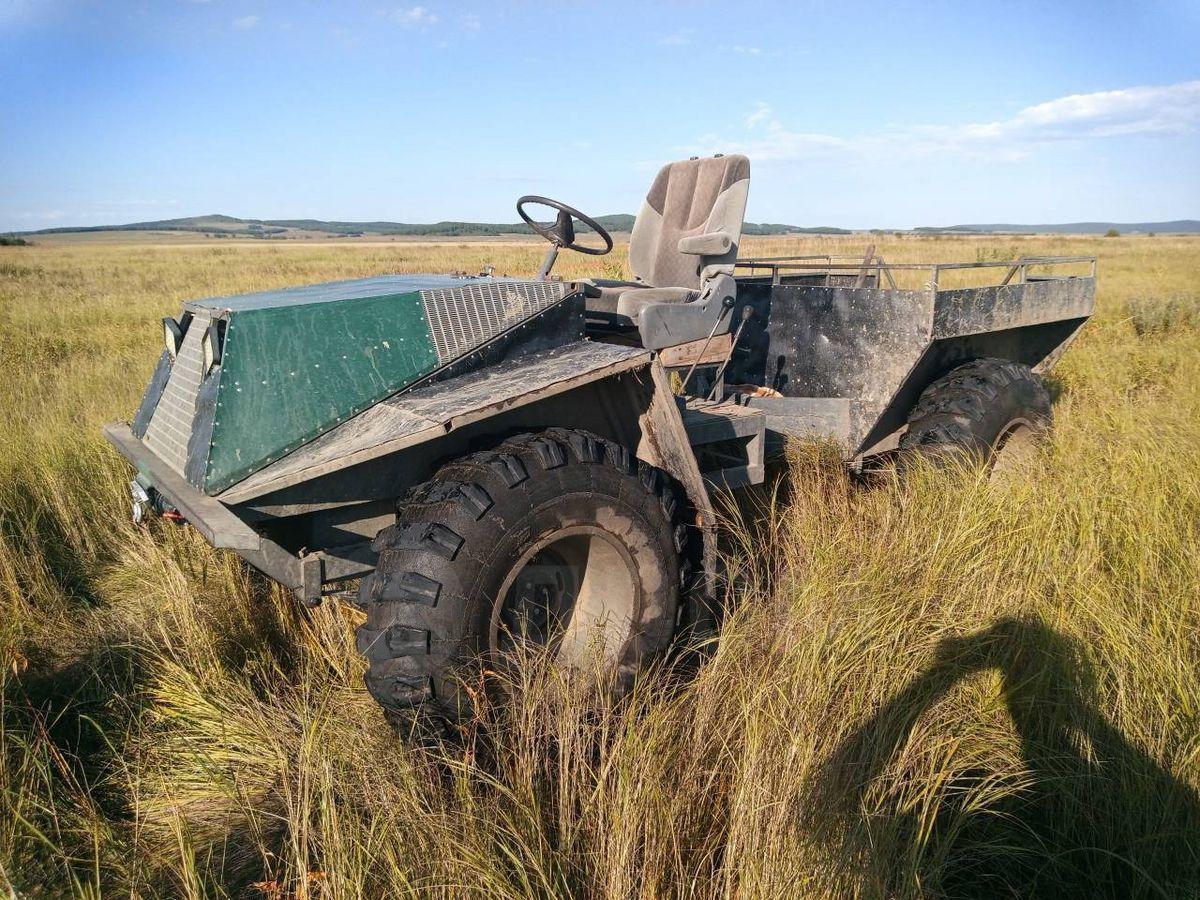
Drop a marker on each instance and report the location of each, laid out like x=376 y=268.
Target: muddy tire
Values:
x=559 y=538
x=987 y=411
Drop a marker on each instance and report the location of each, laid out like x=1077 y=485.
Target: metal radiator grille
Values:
x=462 y=318
x=171 y=425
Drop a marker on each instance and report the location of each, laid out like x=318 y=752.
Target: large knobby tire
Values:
x=985 y=411
x=559 y=535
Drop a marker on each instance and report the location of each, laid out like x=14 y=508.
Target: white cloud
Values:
x=1168 y=109
x=245 y=22
x=677 y=39
x=1160 y=110
x=471 y=22
x=746 y=51
x=415 y=17
x=762 y=115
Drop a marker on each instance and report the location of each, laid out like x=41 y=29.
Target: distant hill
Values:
x=229 y=226
x=1180 y=226
x=283 y=229
x=752 y=229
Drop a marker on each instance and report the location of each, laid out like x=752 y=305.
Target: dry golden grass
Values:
x=949 y=688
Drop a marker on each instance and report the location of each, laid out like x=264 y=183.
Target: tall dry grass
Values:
x=946 y=688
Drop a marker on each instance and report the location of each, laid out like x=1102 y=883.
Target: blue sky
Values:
x=854 y=114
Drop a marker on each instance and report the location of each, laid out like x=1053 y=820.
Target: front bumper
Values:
x=210 y=517
x=221 y=527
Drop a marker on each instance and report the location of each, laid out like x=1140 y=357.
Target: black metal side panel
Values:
x=854 y=344
x=851 y=362
x=154 y=392
x=200 y=440
x=1031 y=345
x=807 y=341
x=748 y=364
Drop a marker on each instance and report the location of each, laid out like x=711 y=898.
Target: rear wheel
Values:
x=988 y=410
x=558 y=540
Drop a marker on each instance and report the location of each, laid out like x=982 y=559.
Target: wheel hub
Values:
x=1013 y=448
x=539 y=603
x=573 y=592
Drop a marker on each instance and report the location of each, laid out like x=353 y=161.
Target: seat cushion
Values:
x=631 y=303
x=610 y=290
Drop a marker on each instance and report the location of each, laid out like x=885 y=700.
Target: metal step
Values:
x=728 y=441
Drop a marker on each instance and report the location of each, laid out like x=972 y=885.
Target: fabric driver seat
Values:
x=685 y=236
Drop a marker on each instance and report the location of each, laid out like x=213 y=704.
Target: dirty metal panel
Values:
x=818 y=343
x=998 y=308
x=1032 y=345
x=806 y=417
x=852 y=361
x=432 y=411
x=837 y=341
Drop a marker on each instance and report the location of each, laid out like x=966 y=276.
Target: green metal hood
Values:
x=256 y=376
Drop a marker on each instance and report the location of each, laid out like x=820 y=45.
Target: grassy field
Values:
x=949 y=688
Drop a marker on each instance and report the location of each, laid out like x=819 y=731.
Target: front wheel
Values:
x=558 y=540
x=989 y=410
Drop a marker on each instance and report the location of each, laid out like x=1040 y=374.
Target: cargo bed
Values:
x=848 y=344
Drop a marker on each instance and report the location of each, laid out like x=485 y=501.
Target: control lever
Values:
x=726 y=305
x=747 y=315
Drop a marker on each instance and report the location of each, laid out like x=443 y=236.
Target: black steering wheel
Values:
x=562 y=232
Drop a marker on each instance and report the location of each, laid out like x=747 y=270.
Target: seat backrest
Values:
x=690 y=197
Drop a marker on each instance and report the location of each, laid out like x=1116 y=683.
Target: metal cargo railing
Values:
x=863 y=267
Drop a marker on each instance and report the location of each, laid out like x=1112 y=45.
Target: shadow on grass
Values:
x=31 y=531
x=1094 y=816
x=81 y=711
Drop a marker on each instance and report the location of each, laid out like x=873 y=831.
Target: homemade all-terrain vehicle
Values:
x=512 y=462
